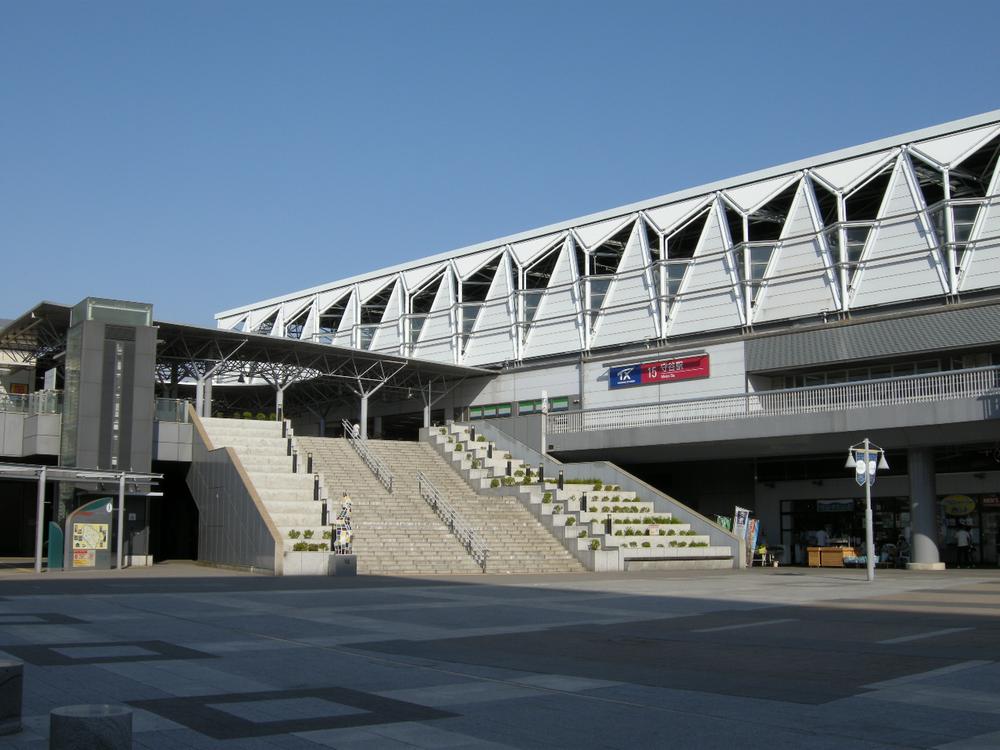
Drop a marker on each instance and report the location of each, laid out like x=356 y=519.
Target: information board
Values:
x=661 y=371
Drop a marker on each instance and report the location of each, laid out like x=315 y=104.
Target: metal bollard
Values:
x=541 y=473
x=607 y=525
x=11 y=696
x=309 y=463
x=508 y=469
x=472 y=434
x=583 y=502
x=315 y=487
x=489 y=451
x=289 y=447
x=103 y=726
x=560 y=485
x=295 y=462
x=284 y=425
x=323 y=521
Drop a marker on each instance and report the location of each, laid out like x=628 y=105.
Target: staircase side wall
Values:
x=234 y=528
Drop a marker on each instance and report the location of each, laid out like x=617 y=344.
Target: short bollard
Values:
x=11 y=692
x=96 y=726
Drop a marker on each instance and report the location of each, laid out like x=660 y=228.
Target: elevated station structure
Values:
x=730 y=341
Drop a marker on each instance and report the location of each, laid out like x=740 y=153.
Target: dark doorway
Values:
x=173 y=518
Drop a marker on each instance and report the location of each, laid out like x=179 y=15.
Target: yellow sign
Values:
x=90 y=536
x=84 y=558
x=958 y=505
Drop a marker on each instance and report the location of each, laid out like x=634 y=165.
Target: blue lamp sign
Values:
x=865 y=466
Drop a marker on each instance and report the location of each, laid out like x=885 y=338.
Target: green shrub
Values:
x=507 y=456
x=633 y=545
x=592 y=509
x=313 y=548
x=662 y=532
x=597 y=486
x=324 y=547
x=619 y=533
x=648 y=519
x=494 y=482
x=294 y=534
x=458 y=446
x=582 y=534
x=616 y=499
x=443 y=431
x=261 y=416
x=629 y=532
x=570 y=521
x=557 y=509
x=508 y=481
x=671 y=532
x=476 y=463
x=682 y=544
x=698 y=544
x=308 y=533
x=605 y=509
x=480 y=438
x=451 y=439
x=673 y=544
x=248 y=415
x=300 y=547
x=646 y=544
x=595 y=544
x=547 y=497
x=518 y=473
x=328 y=534
x=659 y=545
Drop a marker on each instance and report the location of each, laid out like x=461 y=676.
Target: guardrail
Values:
x=171 y=410
x=372 y=461
x=474 y=544
x=908 y=389
x=39 y=402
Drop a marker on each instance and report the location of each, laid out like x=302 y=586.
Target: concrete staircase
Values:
x=394 y=533
x=518 y=543
x=287 y=497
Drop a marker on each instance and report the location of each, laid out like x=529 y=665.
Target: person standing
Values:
x=963 y=541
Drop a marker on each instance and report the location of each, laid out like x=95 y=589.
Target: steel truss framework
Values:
x=908 y=218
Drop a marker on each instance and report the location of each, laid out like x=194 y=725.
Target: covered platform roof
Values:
x=193 y=353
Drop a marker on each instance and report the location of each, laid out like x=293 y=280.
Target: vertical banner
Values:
x=741 y=518
x=753 y=529
x=725 y=522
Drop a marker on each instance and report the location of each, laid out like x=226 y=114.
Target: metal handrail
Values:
x=372 y=461
x=473 y=542
x=907 y=389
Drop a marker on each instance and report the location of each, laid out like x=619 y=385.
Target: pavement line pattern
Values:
x=744 y=625
x=960 y=667
x=921 y=636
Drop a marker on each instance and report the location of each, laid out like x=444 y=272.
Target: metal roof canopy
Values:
x=200 y=353
x=42 y=474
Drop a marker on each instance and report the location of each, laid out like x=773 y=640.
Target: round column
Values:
x=11 y=692
x=924 y=553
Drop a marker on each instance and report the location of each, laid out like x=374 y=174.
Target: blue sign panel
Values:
x=625 y=376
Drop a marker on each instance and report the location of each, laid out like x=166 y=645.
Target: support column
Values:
x=207 y=405
x=121 y=522
x=364 y=417
x=924 y=553
x=279 y=403
x=40 y=519
x=199 y=397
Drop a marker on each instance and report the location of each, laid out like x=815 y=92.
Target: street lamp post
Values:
x=866 y=458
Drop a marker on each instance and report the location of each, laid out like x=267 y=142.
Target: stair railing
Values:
x=372 y=461
x=471 y=539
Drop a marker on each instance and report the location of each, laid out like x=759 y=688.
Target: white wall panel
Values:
x=801 y=282
x=469 y=263
x=230 y=321
x=727 y=376
x=387 y=337
x=437 y=341
x=527 y=251
x=594 y=234
x=556 y=327
x=630 y=313
x=493 y=336
x=563 y=380
x=345 y=331
x=751 y=197
x=948 y=149
x=846 y=173
x=415 y=277
x=982 y=269
x=666 y=218
x=901 y=263
x=709 y=299
x=259 y=316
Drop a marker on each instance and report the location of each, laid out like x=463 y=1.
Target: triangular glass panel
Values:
x=474 y=292
x=330 y=319
x=240 y=325
x=421 y=302
x=267 y=325
x=294 y=328
x=680 y=249
x=971 y=178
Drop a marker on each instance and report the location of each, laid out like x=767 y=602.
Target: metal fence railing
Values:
x=471 y=539
x=171 y=410
x=378 y=467
x=910 y=389
x=39 y=402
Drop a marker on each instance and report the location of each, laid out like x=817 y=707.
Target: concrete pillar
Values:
x=207 y=405
x=199 y=397
x=923 y=517
x=427 y=415
x=364 y=417
x=279 y=402
x=11 y=693
x=40 y=519
x=77 y=727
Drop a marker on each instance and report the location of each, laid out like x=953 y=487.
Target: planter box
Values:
x=308 y=563
x=601 y=560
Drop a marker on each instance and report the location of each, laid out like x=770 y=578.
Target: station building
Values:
x=730 y=342
x=725 y=344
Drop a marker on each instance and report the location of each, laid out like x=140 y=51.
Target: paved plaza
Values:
x=753 y=659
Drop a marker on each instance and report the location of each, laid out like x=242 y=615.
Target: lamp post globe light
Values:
x=866 y=459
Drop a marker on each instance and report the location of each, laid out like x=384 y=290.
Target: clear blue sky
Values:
x=203 y=155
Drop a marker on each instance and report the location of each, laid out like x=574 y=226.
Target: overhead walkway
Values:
x=961 y=404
